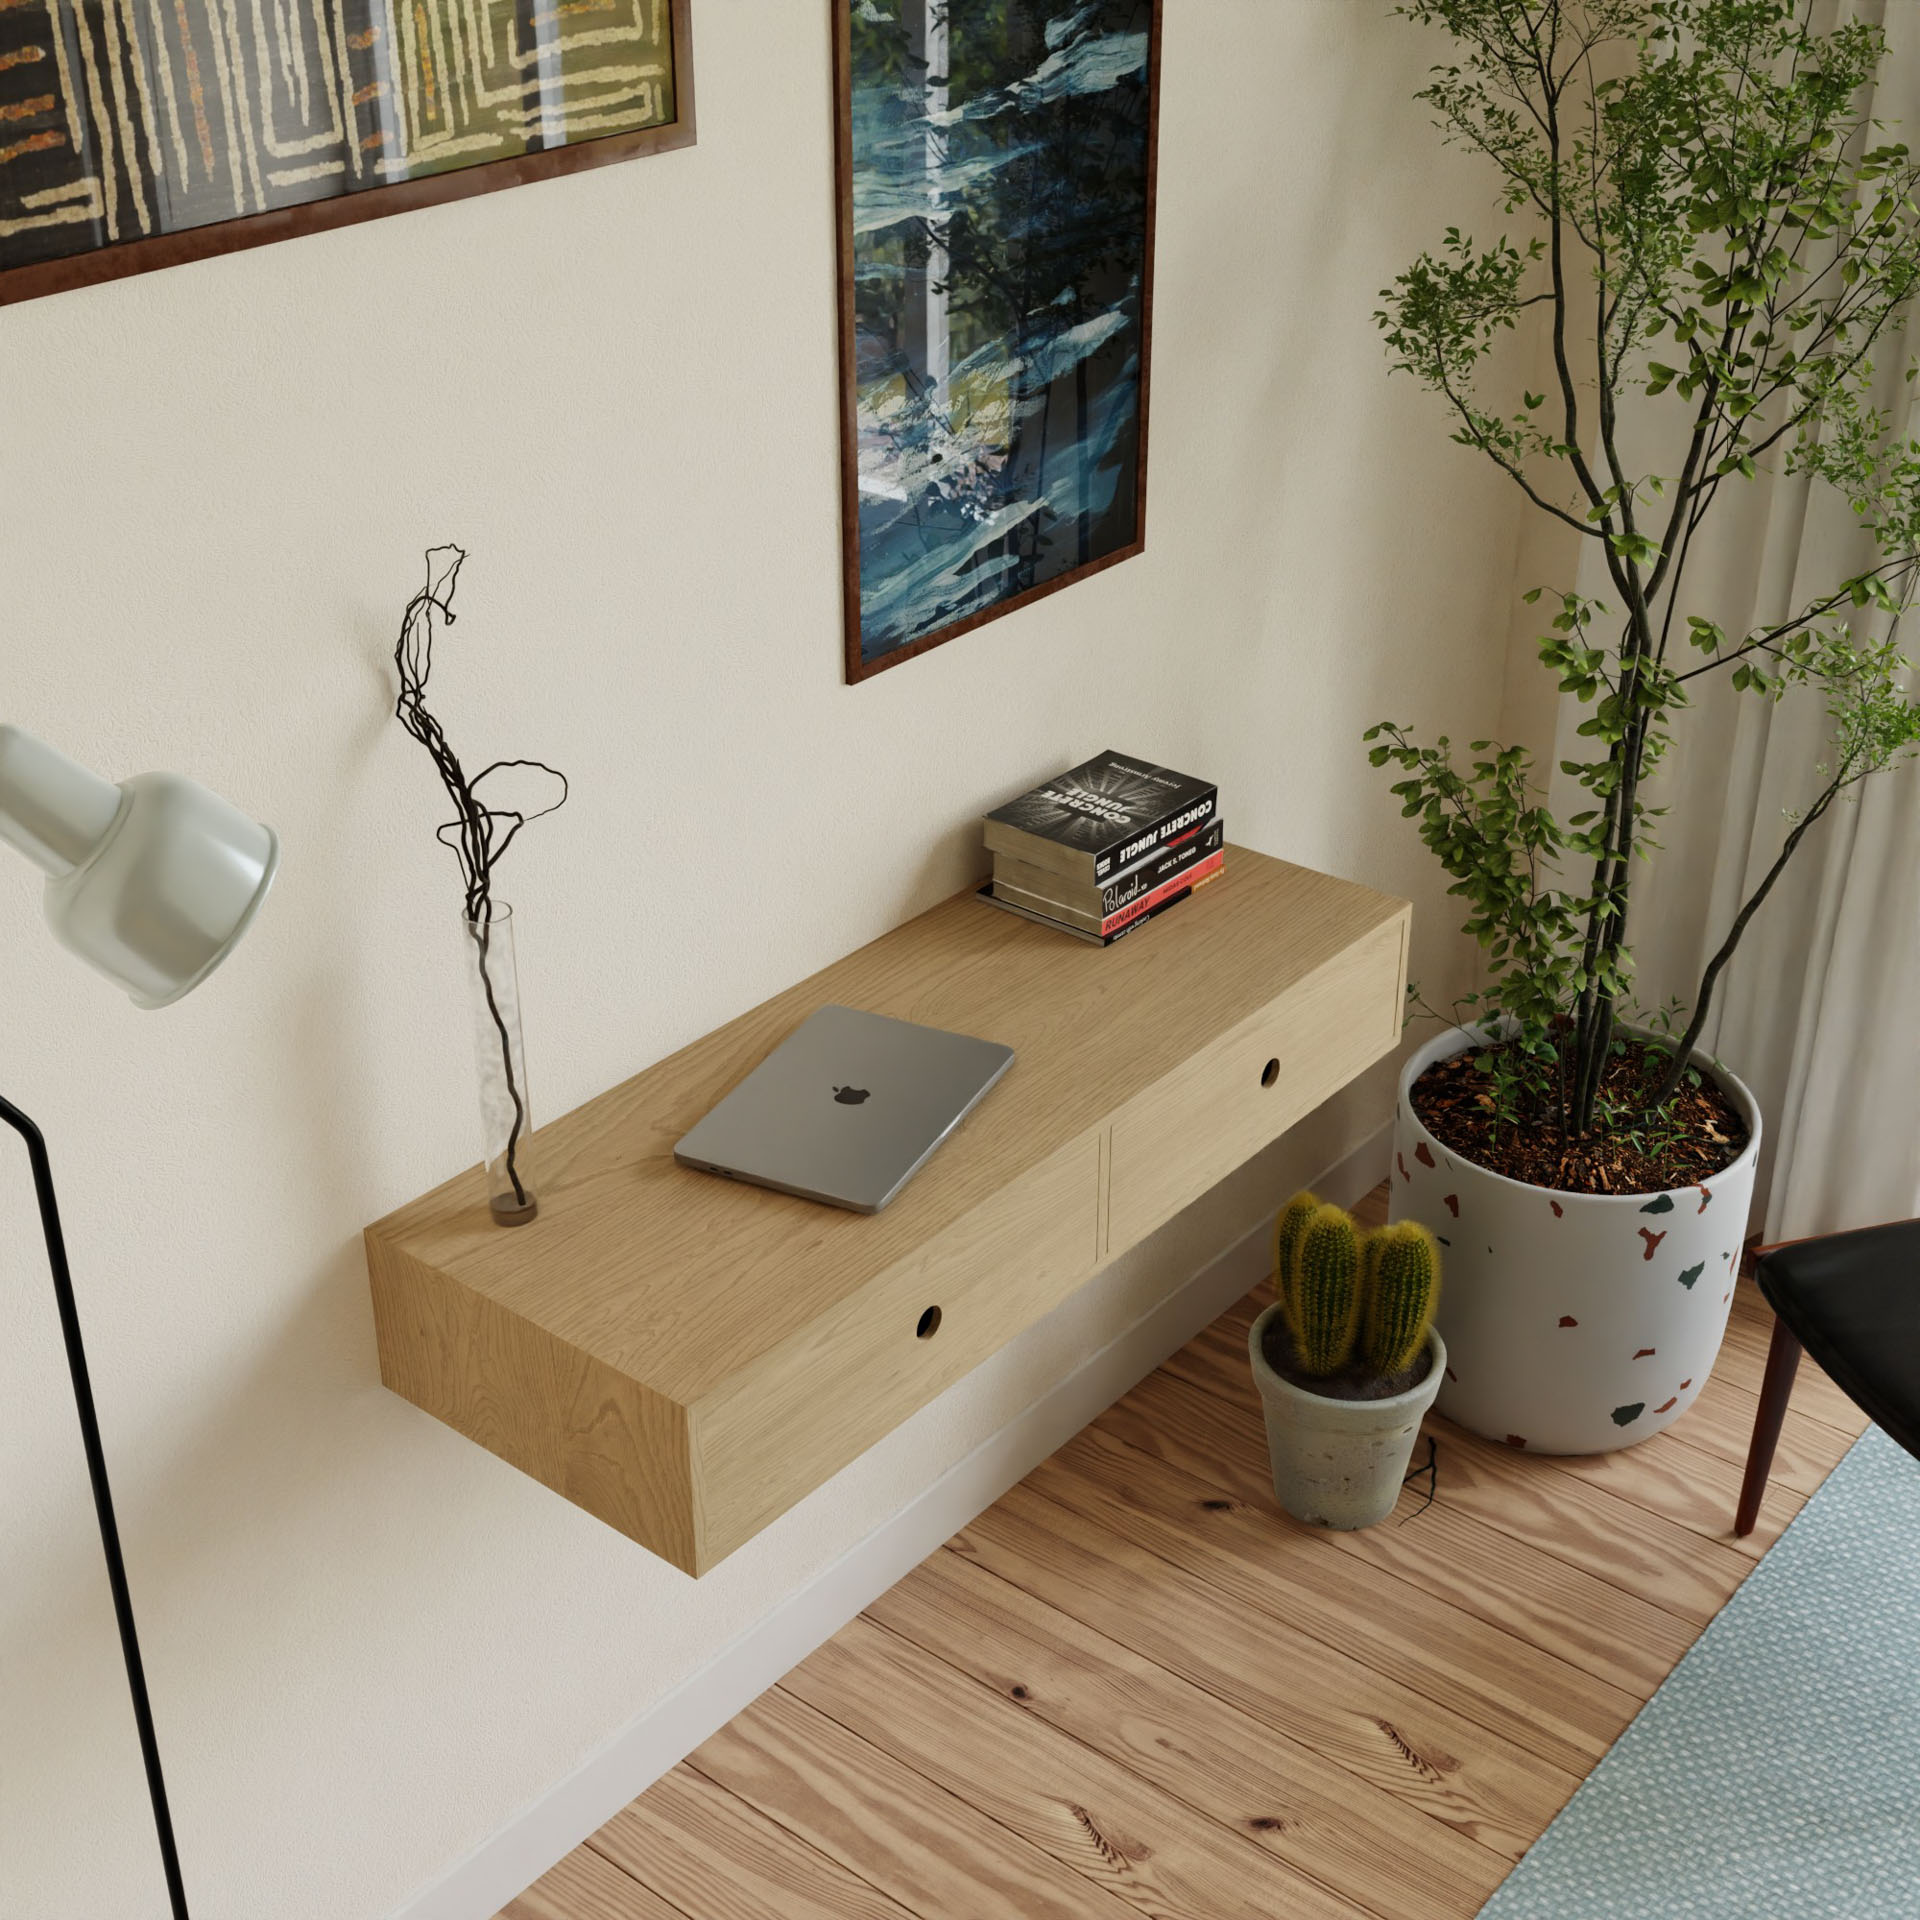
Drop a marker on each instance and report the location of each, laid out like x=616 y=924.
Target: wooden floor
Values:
x=1135 y=1687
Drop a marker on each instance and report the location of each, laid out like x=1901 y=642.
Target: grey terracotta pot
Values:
x=1339 y=1463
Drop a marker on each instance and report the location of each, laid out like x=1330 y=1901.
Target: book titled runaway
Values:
x=1122 y=917
x=1101 y=818
x=1131 y=918
x=1088 y=906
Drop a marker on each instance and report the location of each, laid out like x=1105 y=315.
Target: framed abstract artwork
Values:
x=996 y=206
x=140 y=133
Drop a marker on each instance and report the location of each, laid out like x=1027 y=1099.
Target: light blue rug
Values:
x=1776 y=1774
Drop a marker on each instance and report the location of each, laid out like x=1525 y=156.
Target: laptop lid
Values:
x=846 y=1109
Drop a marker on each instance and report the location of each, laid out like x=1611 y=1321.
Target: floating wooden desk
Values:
x=686 y=1357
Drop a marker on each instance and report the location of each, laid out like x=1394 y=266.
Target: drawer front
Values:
x=800 y=1413
x=1218 y=1109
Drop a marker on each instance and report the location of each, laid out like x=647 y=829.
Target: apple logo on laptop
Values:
x=850 y=1096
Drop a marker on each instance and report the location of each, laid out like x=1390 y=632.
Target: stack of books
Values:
x=1105 y=848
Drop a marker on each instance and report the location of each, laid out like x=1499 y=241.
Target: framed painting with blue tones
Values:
x=996 y=305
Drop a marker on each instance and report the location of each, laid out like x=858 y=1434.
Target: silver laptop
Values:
x=847 y=1109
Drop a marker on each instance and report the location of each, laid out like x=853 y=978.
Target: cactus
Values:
x=1286 y=1237
x=1322 y=1296
x=1402 y=1287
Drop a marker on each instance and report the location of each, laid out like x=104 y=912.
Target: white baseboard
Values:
x=512 y=1859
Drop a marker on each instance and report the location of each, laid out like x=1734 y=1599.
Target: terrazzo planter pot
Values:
x=1575 y=1323
x=1339 y=1463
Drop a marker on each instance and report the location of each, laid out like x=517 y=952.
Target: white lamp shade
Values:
x=151 y=882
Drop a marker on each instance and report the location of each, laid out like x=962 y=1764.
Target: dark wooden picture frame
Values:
x=858 y=667
x=116 y=261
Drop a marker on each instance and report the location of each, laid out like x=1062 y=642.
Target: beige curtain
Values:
x=1820 y=1011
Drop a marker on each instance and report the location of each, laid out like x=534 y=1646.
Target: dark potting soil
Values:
x=1351 y=1383
x=1700 y=1134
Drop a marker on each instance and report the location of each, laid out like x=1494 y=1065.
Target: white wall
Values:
x=370 y=1642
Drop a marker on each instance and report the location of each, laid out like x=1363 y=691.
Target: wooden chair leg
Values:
x=1783 y=1361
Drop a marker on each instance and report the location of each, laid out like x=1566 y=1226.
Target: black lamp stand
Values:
x=102 y=1496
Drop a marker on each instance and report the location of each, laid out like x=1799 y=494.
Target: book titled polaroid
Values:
x=1092 y=906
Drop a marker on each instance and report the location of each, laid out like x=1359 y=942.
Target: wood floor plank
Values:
x=1695 y=1487
x=1365 y=1722
x=1561 y=1609
x=1090 y=1813
x=1371 y=1210
x=1632 y=1546
x=898 y=1830
x=716 y=1858
x=588 y=1886
x=1531 y=1701
x=1380 y=1851
x=1215 y=1359
x=1135 y=1690
x=1721 y=1421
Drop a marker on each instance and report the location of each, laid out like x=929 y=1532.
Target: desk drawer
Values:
x=800 y=1413
x=1218 y=1109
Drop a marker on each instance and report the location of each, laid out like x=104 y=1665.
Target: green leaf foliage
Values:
x=1719 y=241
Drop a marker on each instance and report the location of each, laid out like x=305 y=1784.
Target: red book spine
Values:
x=1188 y=877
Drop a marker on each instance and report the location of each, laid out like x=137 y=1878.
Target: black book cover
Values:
x=1076 y=899
x=1112 y=811
x=1184 y=850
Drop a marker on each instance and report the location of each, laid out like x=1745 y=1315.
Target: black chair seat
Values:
x=1853 y=1301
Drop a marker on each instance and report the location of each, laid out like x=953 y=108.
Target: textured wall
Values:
x=370 y=1642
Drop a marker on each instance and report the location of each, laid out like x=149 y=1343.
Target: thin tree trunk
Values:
x=1703 y=1000
x=1608 y=919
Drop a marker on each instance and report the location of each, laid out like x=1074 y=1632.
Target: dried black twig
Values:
x=1430 y=1473
x=479 y=835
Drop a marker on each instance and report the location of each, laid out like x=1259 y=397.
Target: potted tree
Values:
x=1346 y=1360
x=1718 y=241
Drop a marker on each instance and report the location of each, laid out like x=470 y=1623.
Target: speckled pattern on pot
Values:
x=1339 y=1463
x=1574 y=1323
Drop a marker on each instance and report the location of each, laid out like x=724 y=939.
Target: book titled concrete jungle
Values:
x=1100 y=818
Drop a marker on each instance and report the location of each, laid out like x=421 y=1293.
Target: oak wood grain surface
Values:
x=680 y=1279
x=651 y=1345
x=1133 y=1687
